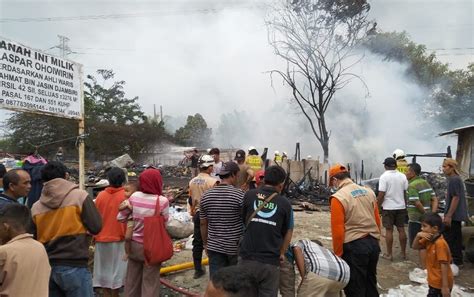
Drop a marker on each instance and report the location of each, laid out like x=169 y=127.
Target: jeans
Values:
x=70 y=281
x=220 y=260
x=453 y=237
x=362 y=256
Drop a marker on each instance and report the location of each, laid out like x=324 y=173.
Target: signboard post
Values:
x=37 y=82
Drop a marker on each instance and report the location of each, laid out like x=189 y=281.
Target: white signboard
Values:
x=34 y=81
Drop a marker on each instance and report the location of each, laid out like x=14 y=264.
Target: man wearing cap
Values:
x=268 y=230
x=221 y=224
x=392 y=198
x=355 y=227
x=455 y=211
x=246 y=174
x=197 y=186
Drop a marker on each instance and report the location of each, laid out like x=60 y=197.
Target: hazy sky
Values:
x=207 y=57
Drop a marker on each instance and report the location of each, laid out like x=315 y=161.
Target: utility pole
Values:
x=65 y=50
x=64 y=46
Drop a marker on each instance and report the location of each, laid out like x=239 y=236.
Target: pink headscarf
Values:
x=151 y=181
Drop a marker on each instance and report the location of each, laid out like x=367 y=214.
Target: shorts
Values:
x=393 y=217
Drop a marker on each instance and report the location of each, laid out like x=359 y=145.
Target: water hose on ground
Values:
x=178 y=289
x=181 y=266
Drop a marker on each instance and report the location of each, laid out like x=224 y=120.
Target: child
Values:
x=125 y=215
x=24 y=264
x=438 y=256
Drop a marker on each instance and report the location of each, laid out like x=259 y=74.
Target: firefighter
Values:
x=255 y=162
x=277 y=158
x=402 y=164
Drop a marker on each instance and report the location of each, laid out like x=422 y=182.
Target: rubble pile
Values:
x=307 y=190
x=175 y=171
x=438 y=182
x=175 y=194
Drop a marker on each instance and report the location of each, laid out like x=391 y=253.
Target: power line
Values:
x=114 y=16
x=451 y=49
x=460 y=54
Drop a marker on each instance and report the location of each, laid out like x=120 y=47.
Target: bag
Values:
x=157 y=244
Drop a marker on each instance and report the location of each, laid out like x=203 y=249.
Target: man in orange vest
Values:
x=355 y=226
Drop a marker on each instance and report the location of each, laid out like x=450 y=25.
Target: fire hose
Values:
x=181 y=266
x=175 y=268
x=178 y=289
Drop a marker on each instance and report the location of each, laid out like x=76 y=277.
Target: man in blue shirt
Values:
x=16 y=184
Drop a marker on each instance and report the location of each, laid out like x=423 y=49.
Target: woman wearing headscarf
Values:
x=144 y=280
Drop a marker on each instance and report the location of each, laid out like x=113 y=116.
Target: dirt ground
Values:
x=315 y=225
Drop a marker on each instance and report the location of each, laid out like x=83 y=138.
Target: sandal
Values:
x=387 y=257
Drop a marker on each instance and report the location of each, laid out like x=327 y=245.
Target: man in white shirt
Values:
x=392 y=198
x=215 y=153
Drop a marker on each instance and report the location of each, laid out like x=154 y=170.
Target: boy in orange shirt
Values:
x=438 y=256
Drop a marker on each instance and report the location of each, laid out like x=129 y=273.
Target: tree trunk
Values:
x=325 y=146
x=324 y=137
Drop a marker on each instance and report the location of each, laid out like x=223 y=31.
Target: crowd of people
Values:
x=242 y=222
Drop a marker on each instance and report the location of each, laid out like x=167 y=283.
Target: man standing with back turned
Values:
x=197 y=187
x=355 y=226
x=269 y=226
x=221 y=223
x=63 y=216
x=393 y=200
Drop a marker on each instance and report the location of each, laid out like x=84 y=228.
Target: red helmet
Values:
x=259 y=176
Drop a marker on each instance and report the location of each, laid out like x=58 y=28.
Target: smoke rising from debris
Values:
x=362 y=127
x=214 y=62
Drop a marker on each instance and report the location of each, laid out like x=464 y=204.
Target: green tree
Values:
x=397 y=46
x=454 y=102
x=450 y=101
x=114 y=124
x=31 y=131
x=109 y=104
x=195 y=132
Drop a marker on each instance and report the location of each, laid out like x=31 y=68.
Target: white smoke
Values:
x=362 y=127
x=392 y=116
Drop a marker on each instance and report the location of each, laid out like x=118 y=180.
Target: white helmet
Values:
x=206 y=161
x=277 y=153
x=285 y=154
x=251 y=148
x=398 y=154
